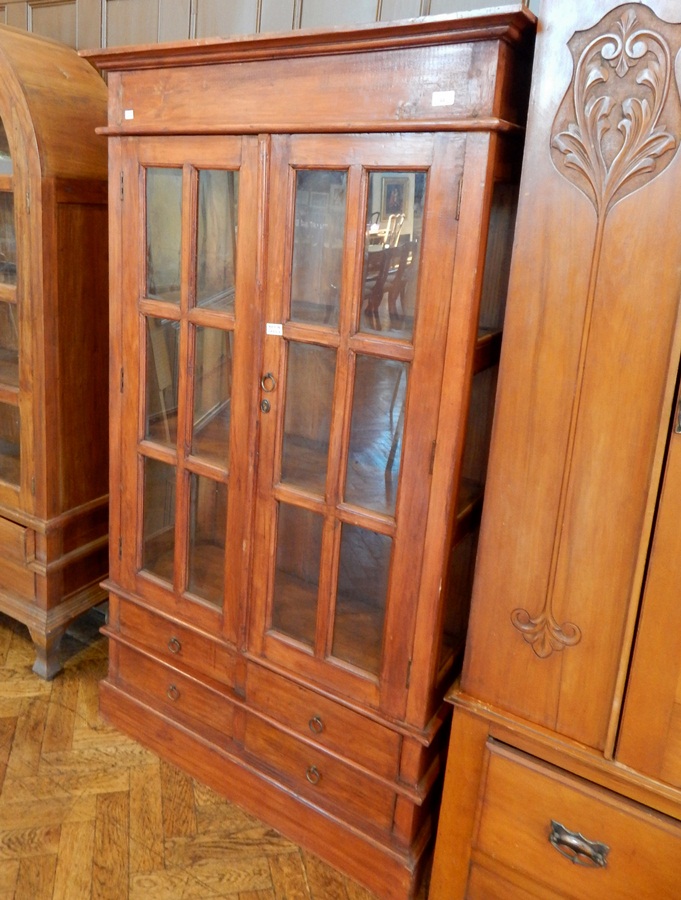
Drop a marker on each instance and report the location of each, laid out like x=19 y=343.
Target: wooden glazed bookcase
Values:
x=310 y=240
x=53 y=339
x=564 y=769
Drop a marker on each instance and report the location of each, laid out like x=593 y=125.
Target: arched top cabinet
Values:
x=53 y=337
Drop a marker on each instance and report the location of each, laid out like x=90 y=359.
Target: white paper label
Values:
x=274 y=328
x=129 y=113
x=443 y=98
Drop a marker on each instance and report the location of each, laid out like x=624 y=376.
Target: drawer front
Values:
x=523 y=797
x=17 y=542
x=331 y=725
x=16 y=579
x=323 y=780
x=176 y=644
x=175 y=694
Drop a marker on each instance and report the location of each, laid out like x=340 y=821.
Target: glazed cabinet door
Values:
x=188 y=359
x=650 y=736
x=362 y=231
x=10 y=315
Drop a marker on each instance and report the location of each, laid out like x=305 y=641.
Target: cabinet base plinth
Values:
x=391 y=872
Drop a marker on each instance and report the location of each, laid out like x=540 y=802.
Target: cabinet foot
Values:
x=48 y=662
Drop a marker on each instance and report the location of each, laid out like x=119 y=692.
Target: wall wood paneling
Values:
x=110 y=23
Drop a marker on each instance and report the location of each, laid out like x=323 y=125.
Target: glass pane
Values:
x=164 y=233
x=10 y=443
x=296 y=578
x=207 y=529
x=8 y=243
x=216 y=239
x=309 y=398
x=9 y=345
x=212 y=394
x=361 y=600
x=161 y=380
x=376 y=429
x=6 y=166
x=158 y=539
x=392 y=247
x=318 y=246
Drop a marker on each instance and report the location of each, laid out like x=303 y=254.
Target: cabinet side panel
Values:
x=83 y=364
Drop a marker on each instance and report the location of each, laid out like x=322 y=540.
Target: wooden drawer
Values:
x=171 y=691
x=175 y=643
x=331 y=725
x=17 y=542
x=16 y=580
x=319 y=777
x=522 y=797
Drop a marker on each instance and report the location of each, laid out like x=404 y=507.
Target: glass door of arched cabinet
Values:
x=10 y=416
x=361 y=245
x=185 y=454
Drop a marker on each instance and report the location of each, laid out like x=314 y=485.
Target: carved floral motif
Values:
x=608 y=140
x=622 y=81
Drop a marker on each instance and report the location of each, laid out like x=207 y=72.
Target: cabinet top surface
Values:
x=514 y=24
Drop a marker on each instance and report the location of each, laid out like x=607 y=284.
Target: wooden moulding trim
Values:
x=82 y=552
x=577 y=758
x=490 y=123
x=47 y=526
x=509 y=24
x=48 y=621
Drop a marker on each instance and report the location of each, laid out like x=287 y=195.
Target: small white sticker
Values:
x=129 y=113
x=274 y=328
x=443 y=98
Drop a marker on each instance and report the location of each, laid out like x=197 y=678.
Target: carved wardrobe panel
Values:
x=586 y=375
x=563 y=772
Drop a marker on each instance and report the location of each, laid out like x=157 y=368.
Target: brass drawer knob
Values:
x=577 y=848
x=313 y=775
x=174 y=645
x=172 y=692
x=316 y=725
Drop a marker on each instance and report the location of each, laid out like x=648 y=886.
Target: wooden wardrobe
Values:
x=310 y=240
x=564 y=769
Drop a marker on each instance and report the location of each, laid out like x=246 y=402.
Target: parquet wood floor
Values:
x=88 y=814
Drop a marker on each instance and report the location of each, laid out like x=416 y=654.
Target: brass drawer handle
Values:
x=172 y=692
x=313 y=775
x=577 y=848
x=316 y=725
x=174 y=645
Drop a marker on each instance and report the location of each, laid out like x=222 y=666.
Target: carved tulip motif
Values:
x=608 y=139
x=621 y=86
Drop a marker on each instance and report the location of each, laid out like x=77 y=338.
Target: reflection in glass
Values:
x=9 y=345
x=296 y=578
x=307 y=423
x=207 y=529
x=8 y=243
x=377 y=423
x=212 y=394
x=361 y=599
x=216 y=239
x=164 y=233
x=161 y=382
x=10 y=443
x=318 y=246
x=158 y=538
x=392 y=246
x=6 y=165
